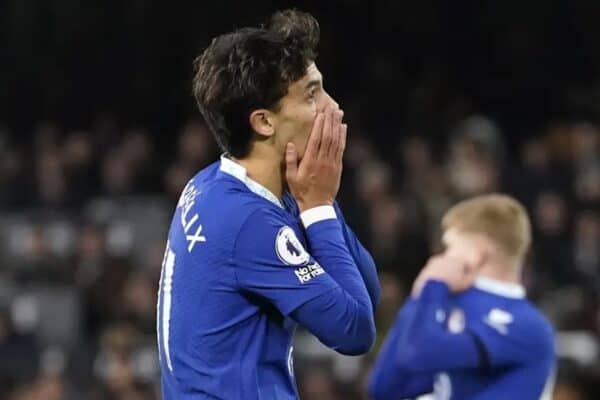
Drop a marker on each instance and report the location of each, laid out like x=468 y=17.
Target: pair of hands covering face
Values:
x=315 y=180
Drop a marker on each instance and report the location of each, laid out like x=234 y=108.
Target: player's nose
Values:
x=330 y=102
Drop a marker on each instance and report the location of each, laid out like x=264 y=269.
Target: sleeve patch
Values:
x=289 y=249
x=305 y=274
x=499 y=320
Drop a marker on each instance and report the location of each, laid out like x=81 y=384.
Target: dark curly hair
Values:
x=249 y=69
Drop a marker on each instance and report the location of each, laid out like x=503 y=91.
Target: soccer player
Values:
x=258 y=244
x=468 y=332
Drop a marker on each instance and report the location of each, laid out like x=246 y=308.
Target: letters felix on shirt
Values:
x=186 y=202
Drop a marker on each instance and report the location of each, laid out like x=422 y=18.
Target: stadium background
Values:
x=444 y=99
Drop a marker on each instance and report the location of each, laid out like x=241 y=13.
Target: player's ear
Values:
x=480 y=258
x=262 y=122
x=482 y=251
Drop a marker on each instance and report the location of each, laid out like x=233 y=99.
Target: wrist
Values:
x=308 y=205
x=316 y=214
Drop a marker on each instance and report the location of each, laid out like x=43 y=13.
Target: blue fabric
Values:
x=475 y=345
x=237 y=279
x=386 y=382
x=362 y=258
x=348 y=326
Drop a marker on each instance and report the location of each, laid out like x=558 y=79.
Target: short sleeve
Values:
x=510 y=339
x=271 y=261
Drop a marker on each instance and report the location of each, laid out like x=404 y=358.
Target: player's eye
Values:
x=313 y=92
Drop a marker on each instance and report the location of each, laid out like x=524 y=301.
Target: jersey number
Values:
x=163 y=308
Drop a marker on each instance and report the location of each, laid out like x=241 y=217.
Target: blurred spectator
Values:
x=316 y=384
x=573 y=383
x=586 y=251
x=18 y=355
x=551 y=243
x=472 y=170
x=392 y=296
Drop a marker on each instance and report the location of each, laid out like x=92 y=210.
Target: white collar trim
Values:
x=238 y=171
x=504 y=289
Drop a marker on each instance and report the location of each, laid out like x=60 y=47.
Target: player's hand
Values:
x=315 y=181
x=457 y=274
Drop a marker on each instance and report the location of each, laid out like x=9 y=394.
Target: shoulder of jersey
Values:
x=525 y=320
x=540 y=330
x=230 y=203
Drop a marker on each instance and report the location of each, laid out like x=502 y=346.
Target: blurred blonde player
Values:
x=468 y=332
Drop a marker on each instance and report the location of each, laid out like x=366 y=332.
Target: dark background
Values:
x=397 y=65
x=444 y=100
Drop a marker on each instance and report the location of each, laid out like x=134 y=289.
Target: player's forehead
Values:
x=312 y=73
x=311 y=77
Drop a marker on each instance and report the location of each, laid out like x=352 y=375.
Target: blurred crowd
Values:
x=85 y=214
x=444 y=100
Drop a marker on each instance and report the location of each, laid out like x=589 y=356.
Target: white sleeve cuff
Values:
x=317 y=214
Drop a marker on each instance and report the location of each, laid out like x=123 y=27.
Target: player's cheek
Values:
x=300 y=123
x=304 y=134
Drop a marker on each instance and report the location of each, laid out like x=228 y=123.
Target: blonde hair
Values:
x=498 y=217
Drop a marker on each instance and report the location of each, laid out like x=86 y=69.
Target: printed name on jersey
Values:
x=186 y=202
x=289 y=249
x=290 y=361
x=305 y=274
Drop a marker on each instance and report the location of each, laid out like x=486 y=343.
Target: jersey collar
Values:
x=499 y=288
x=237 y=171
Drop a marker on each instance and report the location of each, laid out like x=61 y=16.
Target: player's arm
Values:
x=362 y=258
x=349 y=307
x=342 y=318
x=325 y=295
x=387 y=380
x=426 y=345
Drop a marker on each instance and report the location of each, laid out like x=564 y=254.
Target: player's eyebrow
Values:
x=313 y=83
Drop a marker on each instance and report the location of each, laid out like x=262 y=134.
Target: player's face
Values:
x=463 y=246
x=299 y=108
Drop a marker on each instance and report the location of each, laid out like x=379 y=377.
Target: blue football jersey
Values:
x=487 y=343
x=235 y=268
